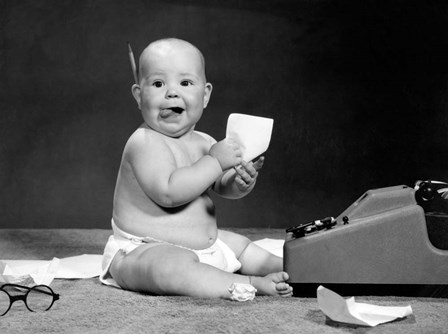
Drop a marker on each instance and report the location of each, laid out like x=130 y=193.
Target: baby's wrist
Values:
x=212 y=158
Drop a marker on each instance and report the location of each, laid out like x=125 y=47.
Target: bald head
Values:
x=164 y=47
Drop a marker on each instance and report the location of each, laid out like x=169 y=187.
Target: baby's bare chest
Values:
x=187 y=153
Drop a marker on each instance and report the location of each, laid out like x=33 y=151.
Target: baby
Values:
x=166 y=239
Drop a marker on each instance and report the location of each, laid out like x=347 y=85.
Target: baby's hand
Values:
x=247 y=173
x=227 y=152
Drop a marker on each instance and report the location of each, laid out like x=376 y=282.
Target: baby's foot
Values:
x=273 y=284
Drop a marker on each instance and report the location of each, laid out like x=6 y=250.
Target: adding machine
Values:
x=390 y=241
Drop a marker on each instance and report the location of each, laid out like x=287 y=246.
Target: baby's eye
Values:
x=157 y=84
x=186 y=83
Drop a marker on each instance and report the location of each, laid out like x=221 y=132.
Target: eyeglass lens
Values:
x=39 y=298
x=4 y=302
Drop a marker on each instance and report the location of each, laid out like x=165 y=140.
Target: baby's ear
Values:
x=207 y=93
x=136 y=93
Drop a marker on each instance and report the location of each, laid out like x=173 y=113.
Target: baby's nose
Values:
x=171 y=93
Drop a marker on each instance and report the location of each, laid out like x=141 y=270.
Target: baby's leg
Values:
x=259 y=263
x=254 y=259
x=170 y=270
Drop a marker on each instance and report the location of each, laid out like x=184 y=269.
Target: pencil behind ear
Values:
x=133 y=65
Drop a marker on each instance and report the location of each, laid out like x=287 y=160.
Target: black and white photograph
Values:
x=207 y=166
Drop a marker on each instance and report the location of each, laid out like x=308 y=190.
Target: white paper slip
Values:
x=252 y=133
x=275 y=246
x=81 y=266
x=34 y=272
x=348 y=311
x=28 y=273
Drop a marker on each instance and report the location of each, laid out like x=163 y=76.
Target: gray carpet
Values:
x=86 y=306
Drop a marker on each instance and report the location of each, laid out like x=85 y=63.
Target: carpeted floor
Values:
x=86 y=306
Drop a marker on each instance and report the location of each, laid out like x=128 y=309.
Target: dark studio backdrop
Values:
x=358 y=91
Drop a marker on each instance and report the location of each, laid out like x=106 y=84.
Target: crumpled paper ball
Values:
x=242 y=292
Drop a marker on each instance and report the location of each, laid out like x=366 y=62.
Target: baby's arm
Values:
x=156 y=169
x=239 y=181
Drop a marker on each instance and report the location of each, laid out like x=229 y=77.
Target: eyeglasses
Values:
x=37 y=298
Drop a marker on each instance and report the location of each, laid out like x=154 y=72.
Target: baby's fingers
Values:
x=246 y=175
x=258 y=164
x=242 y=184
x=236 y=148
x=249 y=168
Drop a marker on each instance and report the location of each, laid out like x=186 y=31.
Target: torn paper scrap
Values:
x=348 y=311
x=28 y=273
x=81 y=266
x=34 y=272
x=274 y=246
x=252 y=133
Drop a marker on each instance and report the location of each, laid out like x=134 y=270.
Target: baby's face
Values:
x=173 y=90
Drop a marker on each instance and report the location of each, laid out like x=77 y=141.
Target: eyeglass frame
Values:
x=23 y=297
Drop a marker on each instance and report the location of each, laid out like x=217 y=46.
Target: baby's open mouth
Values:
x=177 y=110
x=167 y=112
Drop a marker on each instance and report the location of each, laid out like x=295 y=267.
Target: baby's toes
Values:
x=284 y=290
x=280 y=277
x=282 y=287
x=285 y=276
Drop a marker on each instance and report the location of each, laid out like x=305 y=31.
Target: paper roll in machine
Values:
x=391 y=241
